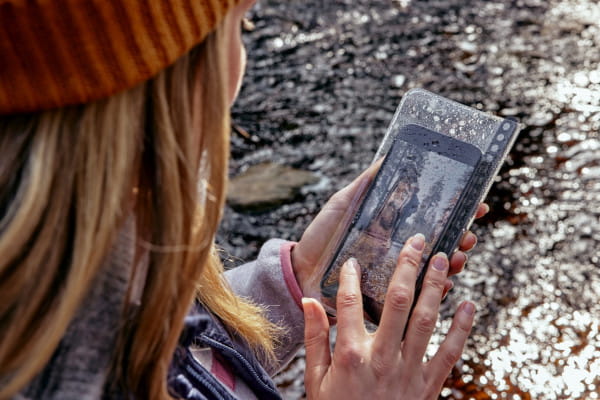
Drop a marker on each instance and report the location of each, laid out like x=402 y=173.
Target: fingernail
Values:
x=352 y=263
x=462 y=254
x=308 y=311
x=440 y=262
x=417 y=242
x=473 y=236
x=469 y=308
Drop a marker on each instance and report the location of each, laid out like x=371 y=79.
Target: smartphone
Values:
x=426 y=184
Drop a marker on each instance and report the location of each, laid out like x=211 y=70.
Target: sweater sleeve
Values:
x=270 y=282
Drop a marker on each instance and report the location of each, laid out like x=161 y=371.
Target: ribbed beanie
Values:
x=62 y=52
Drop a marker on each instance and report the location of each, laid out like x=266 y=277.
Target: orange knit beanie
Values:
x=61 y=52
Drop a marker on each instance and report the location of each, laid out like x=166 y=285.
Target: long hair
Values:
x=68 y=180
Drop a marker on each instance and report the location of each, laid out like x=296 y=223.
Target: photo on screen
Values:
x=416 y=191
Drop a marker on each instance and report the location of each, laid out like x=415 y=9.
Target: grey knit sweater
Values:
x=79 y=367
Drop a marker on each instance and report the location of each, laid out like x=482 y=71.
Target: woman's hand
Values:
x=307 y=253
x=381 y=365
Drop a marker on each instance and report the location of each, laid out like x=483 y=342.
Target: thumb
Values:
x=347 y=195
x=316 y=342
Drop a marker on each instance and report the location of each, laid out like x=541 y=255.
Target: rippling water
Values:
x=323 y=85
x=537 y=334
x=537 y=330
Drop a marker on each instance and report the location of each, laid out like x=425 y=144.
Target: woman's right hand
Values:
x=381 y=365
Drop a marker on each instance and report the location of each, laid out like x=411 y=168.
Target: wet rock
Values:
x=266 y=186
x=540 y=119
x=398 y=80
x=468 y=47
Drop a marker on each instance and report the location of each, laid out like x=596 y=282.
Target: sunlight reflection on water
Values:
x=535 y=275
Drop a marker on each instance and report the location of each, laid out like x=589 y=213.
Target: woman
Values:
x=114 y=147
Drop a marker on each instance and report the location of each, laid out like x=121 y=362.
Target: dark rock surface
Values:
x=323 y=81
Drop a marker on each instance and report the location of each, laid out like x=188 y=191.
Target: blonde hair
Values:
x=67 y=178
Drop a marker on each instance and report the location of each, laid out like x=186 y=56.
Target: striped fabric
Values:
x=61 y=52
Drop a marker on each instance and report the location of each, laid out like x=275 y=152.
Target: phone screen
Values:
x=417 y=190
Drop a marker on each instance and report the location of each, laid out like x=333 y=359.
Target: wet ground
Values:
x=324 y=78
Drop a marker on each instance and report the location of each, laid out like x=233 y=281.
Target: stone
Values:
x=268 y=185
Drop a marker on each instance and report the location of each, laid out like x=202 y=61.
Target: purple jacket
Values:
x=268 y=281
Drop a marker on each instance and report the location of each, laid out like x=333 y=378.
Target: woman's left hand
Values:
x=308 y=252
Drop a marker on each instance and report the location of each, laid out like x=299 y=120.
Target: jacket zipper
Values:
x=201 y=381
x=240 y=357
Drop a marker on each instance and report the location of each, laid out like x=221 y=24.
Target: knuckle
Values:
x=348 y=299
x=450 y=357
x=315 y=339
x=464 y=328
x=350 y=356
x=340 y=197
x=407 y=259
x=399 y=298
x=382 y=365
x=435 y=284
x=424 y=323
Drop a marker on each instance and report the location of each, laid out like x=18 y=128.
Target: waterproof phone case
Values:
x=439 y=160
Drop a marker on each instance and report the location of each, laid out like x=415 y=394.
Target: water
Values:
x=323 y=82
x=536 y=281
